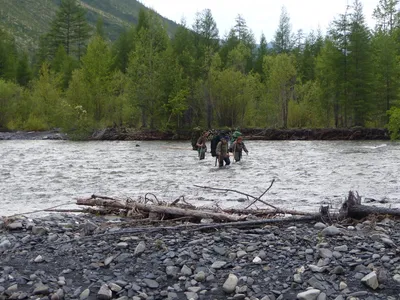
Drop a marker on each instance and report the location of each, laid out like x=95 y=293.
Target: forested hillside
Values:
x=27 y=20
x=79 y=80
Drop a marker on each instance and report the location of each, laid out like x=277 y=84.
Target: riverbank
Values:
x=115 y=133
x=89 y=257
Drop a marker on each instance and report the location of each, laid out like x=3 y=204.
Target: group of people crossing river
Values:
x=221 y=147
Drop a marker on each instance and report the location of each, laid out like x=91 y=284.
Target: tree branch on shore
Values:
x=95 y=200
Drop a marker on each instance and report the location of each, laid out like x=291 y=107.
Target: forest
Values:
x=79 y=80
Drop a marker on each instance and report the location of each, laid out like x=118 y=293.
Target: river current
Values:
x=35 y=175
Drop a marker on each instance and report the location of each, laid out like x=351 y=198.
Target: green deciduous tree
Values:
x=144 y=69
x=280 y=84
x=44 y=102
x=10 y=97
x=232 y=92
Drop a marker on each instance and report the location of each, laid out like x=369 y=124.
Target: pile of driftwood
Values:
x=150 y=209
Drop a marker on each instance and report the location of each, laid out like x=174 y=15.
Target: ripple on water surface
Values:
x=39 y=174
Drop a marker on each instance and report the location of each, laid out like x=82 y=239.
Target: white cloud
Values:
x=261 y=15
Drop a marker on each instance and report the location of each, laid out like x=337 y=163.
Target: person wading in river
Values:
x=201 y=145
x=237 y=148
x=223 y=152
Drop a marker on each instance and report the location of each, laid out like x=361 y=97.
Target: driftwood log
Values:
x=352 y=208
x=159 y=209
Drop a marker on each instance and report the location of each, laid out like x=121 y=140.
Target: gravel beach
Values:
x=66 y=256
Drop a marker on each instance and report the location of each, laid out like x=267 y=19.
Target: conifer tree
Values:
x=69 y=28
x=283 y=39
x=24 y=73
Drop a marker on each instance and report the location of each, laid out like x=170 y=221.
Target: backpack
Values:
x=214 y=143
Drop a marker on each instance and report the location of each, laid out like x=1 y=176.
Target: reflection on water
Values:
x=41 y=174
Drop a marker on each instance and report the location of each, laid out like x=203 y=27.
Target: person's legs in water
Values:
x=238 y=155
x=221 y=163
x=202 y=153
x=227 y=161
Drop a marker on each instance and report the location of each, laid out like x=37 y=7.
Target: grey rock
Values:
x=11 y=289
x=311 y=294
x=140 y=248
x=342 y=248
x=114 y=287
x=123 y=257
x=39 y=230
x=4 y=245
x=191 y=295
x=38 y=259
x=230 y=283
x=315 y=283
x=371 y=280
x=52 y=237
x=240 y=253
x=322 y=296
x=135 y=287
x=15 y=226
x=338 y=270
x=194 y=289
x=108 y=260
x=297 y=278
x=85 y=294
x=388 y=242
x=104 y=293
x=330 y=231
x=60 y=294
x=342 y=285
x=122 y=245
x=200 y=276
x=317 y=269
x=383 y=275
x=172 y=271
x=325 y=253
x=358 y=294
x=186 y=270
x=151 y=283
x=89 y=227
x=218 y=264
x=172 y=296
x=397 y=278
x=41 y=289
x=219 y=250
x=319 y=226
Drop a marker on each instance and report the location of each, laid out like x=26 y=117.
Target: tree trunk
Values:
x=160 y=209
x=352 y=208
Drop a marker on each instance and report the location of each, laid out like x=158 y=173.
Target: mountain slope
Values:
x=27 y=20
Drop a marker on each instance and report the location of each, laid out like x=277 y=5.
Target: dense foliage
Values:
x=79 y=80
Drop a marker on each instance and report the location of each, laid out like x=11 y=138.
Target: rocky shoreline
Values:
x=126 y=134
x=92 y=257
x=33 y=135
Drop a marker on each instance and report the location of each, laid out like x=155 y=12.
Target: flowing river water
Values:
x=35 y=175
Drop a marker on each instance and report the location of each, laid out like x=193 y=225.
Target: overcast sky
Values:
x=262 y=16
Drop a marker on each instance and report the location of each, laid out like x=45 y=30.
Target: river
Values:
x=39 y=174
